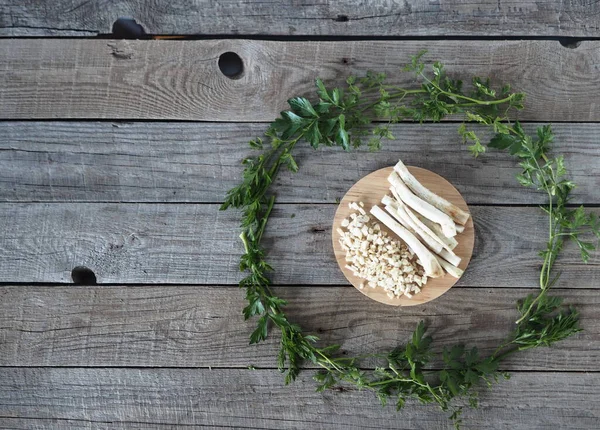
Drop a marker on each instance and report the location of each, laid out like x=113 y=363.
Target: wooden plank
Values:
x=340 y=18
x=187 y=162
x=183 y=243
x=56 y=78
x=26 y=423
x=242 y=398
x=188 y=326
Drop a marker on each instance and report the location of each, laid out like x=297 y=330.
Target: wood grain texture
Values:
x=191 y=326
x=370 y=190
x=184 y=162
x=55 y=78
x=331 y=18
x=183 y=243
x=108 y=398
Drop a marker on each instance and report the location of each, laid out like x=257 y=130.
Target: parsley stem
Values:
x=265 y=218
x=505 y=354
x=475 y=102
x=401 y=93
x=549 y=254
x=327 y=360
x=245 y=241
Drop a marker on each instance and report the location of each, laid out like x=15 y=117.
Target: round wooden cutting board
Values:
x=370 y=190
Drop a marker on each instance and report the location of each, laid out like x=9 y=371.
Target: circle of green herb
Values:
x=352 y=116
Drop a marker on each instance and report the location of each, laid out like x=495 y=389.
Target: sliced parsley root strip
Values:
x=395 y=207
x=426 y=229
x=450 y=268
x=449 y=241
x=402 y=217
x=450 y=258
x=428 y=260
x=421 y=206
x=456 y=213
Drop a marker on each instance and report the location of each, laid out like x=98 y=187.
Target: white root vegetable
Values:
x=405 y=213
x=450 y=241
x=450 y=258
x=401 y=218
x=428 y=260
x=421 y=206
x=389 y=201
x=456 y=213
x=397 y=200
x=426 y=229
x=406 y=223
x=450 y=268
x=404 y=220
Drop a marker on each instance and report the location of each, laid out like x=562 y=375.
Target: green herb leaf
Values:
x=322 y=91
x=502 y=141
x=302 y=107
x=289 y=161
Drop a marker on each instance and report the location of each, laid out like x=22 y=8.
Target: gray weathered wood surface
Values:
x=88 y=179
x=332 y=18
x=53 y=78
x=199 y=162
x=243 y=398
x=201 y=326
x=188 y=243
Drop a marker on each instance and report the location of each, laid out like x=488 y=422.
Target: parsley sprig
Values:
x=358 y=114
x=549 y=175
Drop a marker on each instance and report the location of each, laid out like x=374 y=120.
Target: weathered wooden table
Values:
x=115 y=154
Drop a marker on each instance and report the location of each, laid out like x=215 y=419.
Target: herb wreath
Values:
x=342 y=117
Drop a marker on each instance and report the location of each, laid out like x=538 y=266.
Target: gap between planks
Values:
x=274 y=368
